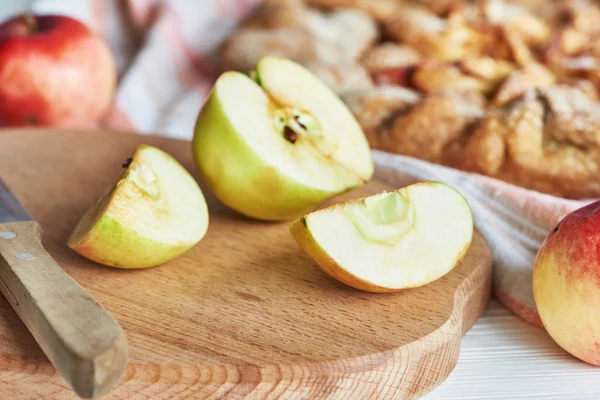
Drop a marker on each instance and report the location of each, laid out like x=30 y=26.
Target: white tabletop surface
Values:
x=502 y=357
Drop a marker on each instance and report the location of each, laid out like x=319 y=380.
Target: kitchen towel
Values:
x=165 y=57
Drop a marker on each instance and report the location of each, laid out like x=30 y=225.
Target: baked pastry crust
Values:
x=378 y=9
x=390 y=55
x=547 y=140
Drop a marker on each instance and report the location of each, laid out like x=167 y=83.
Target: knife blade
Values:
x=10 y=208
x=80 y=338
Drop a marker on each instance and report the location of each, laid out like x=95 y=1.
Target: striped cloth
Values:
x=164 y=52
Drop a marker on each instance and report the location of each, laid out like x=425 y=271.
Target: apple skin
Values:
x=104 y=246
x=54 y=71
x=242 y=180
x=566 y=283
x=105 y=243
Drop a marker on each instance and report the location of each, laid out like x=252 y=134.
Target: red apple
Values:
x=566 y=283
x=54 y=71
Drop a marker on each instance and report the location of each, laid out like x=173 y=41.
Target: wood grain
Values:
x=245 y=314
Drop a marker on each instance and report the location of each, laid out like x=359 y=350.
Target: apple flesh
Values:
x=275 y=146
x=392 y=240
x=566 y=283
x=155 y=212
x=54 y=71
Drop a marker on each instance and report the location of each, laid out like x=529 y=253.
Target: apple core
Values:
x=290 y=120
x=143 y=177
x=384 y=217
x=294 y=124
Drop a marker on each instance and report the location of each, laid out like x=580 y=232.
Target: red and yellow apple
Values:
x=54 y=71
x=566 y=283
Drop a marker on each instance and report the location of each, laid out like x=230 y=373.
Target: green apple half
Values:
x=392 y=240
x=275 y=146
x=155 y=212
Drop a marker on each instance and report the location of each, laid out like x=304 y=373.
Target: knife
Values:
x=81 y=339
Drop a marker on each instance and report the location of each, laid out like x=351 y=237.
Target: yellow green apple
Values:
x=275 y=144
x=153 y=213
x=566 y=283
x=392 y=240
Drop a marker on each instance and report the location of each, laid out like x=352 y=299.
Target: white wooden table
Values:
x=504 y=358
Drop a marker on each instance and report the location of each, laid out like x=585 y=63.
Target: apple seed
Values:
x=308 y=123
x=297 y=118
x=294 y=124
x=127 y=163
x=290 y=135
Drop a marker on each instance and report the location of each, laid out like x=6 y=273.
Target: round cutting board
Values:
x=245 y=314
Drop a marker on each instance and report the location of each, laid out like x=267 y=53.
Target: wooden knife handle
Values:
x=83 y=341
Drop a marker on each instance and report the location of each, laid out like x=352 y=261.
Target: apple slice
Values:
x=155 y=212
x=275 y=146
x=392 y=240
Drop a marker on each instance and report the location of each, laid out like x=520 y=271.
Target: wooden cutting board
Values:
x=245 y=314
